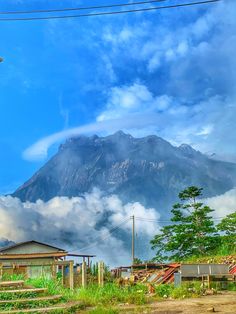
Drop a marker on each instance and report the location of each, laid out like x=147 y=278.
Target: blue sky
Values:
x=175 y=65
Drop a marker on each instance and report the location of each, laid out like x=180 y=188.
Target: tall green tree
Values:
x=228 y=227
x=192 y=231
x=228 y=224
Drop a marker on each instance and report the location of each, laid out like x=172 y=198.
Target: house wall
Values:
x=30 y=248
x=23 y=267
x=39 y=271
x=27 y=261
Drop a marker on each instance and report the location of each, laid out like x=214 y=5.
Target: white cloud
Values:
x=126 y=100
x=135 y=109
x=188 y=84
x=206 y=130
x=78 y=222
x=200 y=124
x=39 y=150
x=223 y=204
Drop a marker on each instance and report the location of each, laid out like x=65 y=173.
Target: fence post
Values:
x=84 y=275
x=101 y=274
x=62 y=274
x=209 y=281
x=1 y=271
x=71 y=275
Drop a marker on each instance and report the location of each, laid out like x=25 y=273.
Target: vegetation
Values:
x=186 y=290
x=112 y=294
x=228 y=229
x=192 y=233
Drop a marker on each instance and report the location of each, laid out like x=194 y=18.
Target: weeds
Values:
x=186 y=290
x=103 y=299
x=111 y=294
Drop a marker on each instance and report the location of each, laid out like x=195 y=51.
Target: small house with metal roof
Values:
x=36 y=259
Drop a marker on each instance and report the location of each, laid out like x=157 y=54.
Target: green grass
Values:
x=104 y=299
x=53 y=286
x=111 y=294
x=186 y=290
x=14 y=277
x=232 y=286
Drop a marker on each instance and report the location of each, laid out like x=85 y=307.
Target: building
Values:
x=31 y=258
x=36 y=259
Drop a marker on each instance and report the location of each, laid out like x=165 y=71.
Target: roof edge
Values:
x=27 y=242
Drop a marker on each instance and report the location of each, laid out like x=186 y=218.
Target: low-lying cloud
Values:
x=86 y=224
x=223 y=204
x=80 y=224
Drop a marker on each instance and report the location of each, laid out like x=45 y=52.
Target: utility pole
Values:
x=133 y=239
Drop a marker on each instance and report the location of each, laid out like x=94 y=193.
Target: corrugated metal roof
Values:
x=2 y=250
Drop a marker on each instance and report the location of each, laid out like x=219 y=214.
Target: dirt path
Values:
x=222 y=303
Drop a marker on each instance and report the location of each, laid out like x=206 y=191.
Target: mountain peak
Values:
x=120 y=134
x=186 y=148
x=148 y=169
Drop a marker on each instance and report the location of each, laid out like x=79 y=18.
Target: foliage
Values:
x=228 y=224
x=137 y=261
x=192 y=232
x=228 y=227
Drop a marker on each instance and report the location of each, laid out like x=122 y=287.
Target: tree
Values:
x=228 y=227
x=137 y=261
x=192 y=232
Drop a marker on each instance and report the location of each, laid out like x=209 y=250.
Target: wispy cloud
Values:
x=137 y=111
x=39 y=149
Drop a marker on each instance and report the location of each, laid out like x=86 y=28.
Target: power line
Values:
x=115 y=228
x=112 y=230
x=80 y=8
x=109 y=13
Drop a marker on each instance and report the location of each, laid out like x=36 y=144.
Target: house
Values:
x=36 y=259
x=31 y=258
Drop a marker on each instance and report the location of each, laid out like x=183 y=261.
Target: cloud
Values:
x=130 y=99
x=77 y=223
x=39 y=150
x=200 y=123
x=84 y=224
x=223 y=204
x=181 y=70
x=136 y=110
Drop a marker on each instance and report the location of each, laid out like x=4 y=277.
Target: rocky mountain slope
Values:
x=149 y=170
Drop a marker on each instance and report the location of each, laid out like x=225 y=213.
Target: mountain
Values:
x=149 y=170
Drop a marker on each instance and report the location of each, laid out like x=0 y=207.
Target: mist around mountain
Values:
x=148 y=170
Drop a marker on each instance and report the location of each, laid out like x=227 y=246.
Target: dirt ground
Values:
x=220 y=303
